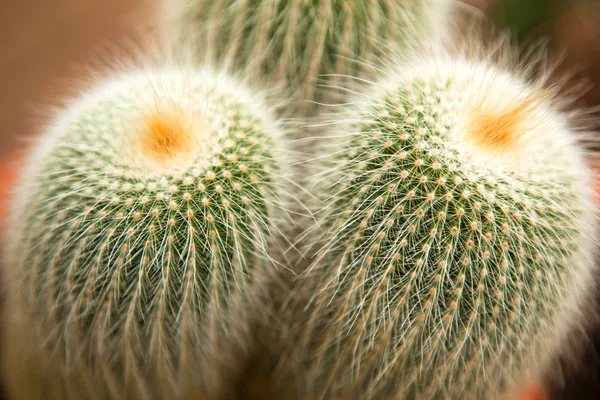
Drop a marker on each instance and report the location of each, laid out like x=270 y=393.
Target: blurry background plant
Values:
x=45 y=44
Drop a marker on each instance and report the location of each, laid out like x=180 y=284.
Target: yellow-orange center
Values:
x=500 y=130
x=167 y=135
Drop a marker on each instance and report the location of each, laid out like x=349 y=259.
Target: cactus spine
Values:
x=136 y=234
x=301 y=43
x=460 y=225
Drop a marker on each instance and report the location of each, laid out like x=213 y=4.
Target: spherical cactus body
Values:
x=460 y=231
x=137 y=231
x=306 y=46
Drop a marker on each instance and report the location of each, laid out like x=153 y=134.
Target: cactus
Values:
x=137 y=234
x=459 y=222
x=300 y=44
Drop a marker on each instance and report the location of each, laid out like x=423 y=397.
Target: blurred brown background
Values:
x=46 y=43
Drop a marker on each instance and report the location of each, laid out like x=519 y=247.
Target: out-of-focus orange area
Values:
x=531 y=394
x=7 y=181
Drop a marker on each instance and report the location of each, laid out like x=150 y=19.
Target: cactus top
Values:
x=145 y=211
x=170 y=121
x=461 y=233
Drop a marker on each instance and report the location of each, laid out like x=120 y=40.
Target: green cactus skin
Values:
x=460 y=226
x=302 y=44
x=137 y=234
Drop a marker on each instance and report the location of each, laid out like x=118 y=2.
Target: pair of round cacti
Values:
x=455 y=226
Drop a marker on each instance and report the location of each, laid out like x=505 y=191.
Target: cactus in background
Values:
x=137 y=231
x=301 y=43
x=461 y=225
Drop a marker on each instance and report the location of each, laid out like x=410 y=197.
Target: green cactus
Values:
x=137 y=234
x=301 y=44
x=460 y=226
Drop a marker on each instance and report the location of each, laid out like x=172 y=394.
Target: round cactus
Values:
x=301 y=44
x=139 y=228
x=461 y=226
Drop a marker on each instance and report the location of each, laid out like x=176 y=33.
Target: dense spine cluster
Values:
x=459 y=227
x=306 y=46
x=141 y=225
